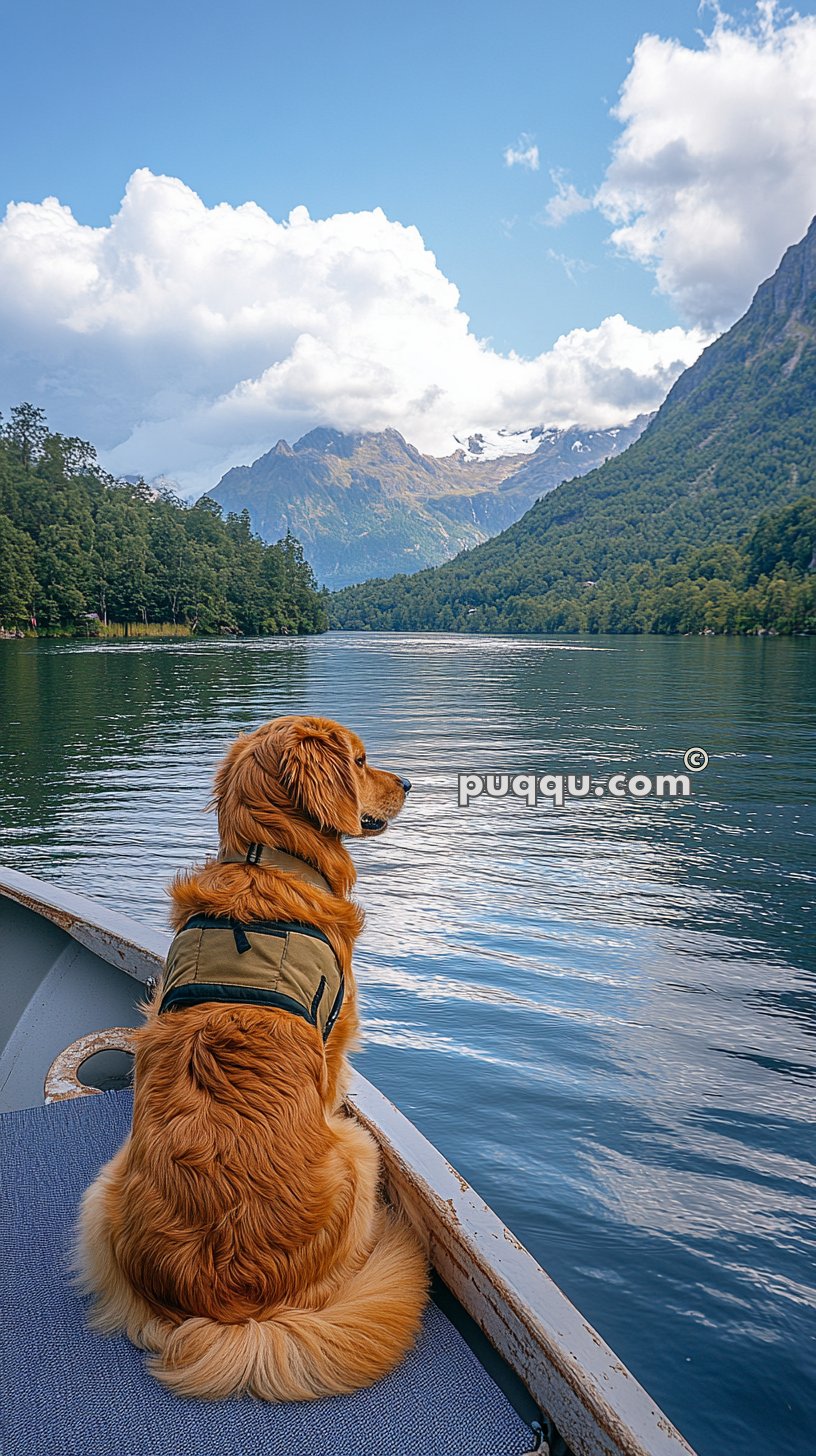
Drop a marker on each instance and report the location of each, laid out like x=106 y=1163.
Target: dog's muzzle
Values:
x=367 y=821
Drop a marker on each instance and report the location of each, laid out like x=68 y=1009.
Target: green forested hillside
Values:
x=660 y=538
x=768 y=583
x=74 y=543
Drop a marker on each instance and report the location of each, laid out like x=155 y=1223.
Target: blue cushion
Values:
x=69 y=1392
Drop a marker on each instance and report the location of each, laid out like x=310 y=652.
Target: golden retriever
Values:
x=238 y=1234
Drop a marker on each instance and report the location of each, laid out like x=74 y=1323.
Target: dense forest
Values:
x=80 y=551
x=766 y=583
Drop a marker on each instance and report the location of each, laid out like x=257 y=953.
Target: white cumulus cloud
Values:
x=183 y=339
x=714 y=173
x=523 y=154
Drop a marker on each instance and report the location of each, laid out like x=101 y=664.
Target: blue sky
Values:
x=346 y=109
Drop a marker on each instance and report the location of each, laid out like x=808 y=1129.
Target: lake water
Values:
x=603 y=1014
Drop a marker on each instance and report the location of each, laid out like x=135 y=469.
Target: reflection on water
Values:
x=604 y=1014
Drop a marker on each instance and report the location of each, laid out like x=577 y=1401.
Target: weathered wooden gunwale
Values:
x=571 y=1373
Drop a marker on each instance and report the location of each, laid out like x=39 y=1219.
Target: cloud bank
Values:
x=714 y=173
x=183 y=339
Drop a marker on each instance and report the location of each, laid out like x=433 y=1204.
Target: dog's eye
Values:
x=360 y=761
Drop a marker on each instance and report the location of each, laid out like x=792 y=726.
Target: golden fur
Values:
x=238 y=1233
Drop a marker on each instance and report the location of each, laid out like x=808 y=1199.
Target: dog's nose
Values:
x=406 y=784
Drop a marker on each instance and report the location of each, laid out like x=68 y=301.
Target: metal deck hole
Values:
x=108 y=1071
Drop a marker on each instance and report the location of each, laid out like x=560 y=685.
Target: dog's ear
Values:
x=316 y=769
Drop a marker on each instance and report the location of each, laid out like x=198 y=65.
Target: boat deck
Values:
x=74 y=1393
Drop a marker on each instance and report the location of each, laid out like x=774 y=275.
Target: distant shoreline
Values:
x=179 y=633
x=139 y=632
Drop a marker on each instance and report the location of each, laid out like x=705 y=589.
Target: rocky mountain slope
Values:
x=371 y=504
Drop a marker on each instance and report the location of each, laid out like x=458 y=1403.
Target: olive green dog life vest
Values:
x=275 y=963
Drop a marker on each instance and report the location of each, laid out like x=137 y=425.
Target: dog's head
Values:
x=311 y=770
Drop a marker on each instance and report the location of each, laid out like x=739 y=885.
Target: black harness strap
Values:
x=258 y=927
x=193 y=995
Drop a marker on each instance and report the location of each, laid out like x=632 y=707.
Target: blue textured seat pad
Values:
x=70 y=1392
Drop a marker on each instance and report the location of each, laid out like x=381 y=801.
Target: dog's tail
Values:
x=360 y=1334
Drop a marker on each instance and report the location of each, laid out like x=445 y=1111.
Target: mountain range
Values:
x=669 y=534
x=371 y=504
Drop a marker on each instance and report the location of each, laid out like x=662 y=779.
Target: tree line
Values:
x=765 y=583
x=78 y=547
